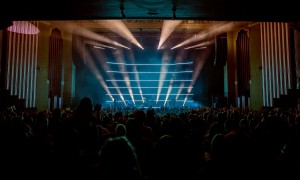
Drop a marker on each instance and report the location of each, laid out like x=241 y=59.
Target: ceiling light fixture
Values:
x=23 y=27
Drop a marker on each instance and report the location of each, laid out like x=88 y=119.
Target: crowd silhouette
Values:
x=200 y=143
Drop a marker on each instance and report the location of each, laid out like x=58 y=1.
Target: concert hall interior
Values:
x=152 y=67
x=179 y=57
x=149 y=89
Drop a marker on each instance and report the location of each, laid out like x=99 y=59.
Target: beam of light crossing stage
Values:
x=167 y=29
x=105 y=46
x=119 y=56
x=148 y=87
x=98 y=44
x=146 y=64
x=80 y=30
x=146 y=80
x=162 y=77
x=118 y=27
x=151 y=94
x=199 y=65
x=137 y=78
x=92 y=66
x=184 y=101
x=181 y=87
x=98 y=37
x=139 y=100
x=105 y=66
x=198 y=68
x=170 y=89
x=202 y=45
x=150 y=72
x=208 y=34
x=115 y=85
x=129 y=88
x=102 y=82
x=168 y=93
x=70 y=27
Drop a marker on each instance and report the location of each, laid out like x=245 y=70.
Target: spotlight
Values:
x=122 y=12
x=23 y=27
x=174 y=13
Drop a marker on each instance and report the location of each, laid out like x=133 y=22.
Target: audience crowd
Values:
x=201 y=143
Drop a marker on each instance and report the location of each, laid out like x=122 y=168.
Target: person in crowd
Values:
x=118 y=160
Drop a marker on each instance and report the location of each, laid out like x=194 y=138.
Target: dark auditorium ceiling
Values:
x=228 y=10
x=148 y=14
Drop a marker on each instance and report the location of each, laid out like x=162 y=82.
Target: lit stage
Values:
x=149 y=72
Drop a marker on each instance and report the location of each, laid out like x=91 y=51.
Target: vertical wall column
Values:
x=275 y=56
x=55 y=68
x=255 y=67
x=21 y=64
x=243 y=68
x=231 y=69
